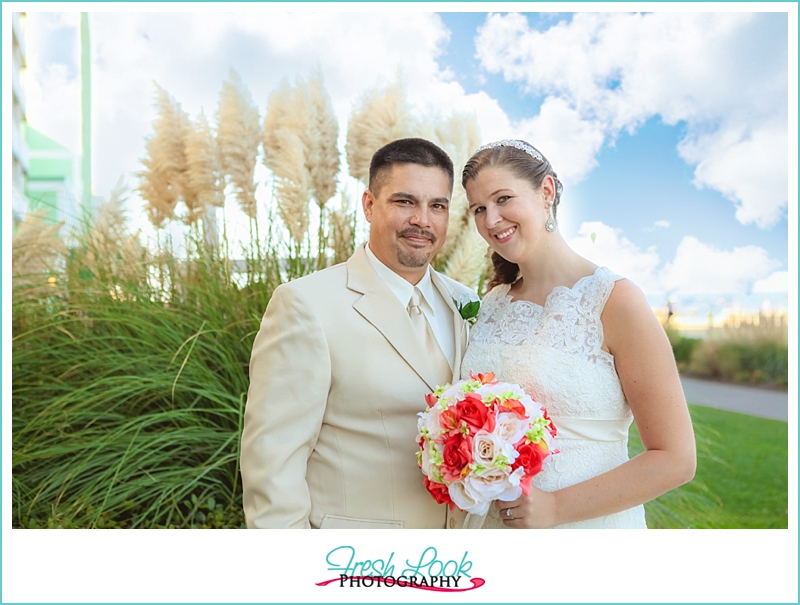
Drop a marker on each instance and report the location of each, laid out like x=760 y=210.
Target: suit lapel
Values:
x=380 y=307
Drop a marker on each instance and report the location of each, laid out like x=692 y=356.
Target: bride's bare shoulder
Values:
x=628 y=316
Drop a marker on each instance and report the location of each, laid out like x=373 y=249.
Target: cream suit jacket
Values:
x=337 y=377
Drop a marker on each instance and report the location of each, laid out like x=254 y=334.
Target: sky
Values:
x=670 y=130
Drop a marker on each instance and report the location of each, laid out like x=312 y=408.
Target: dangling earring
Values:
x=551 y=223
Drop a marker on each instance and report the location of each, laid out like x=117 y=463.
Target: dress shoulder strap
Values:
x=605 y=280
x=496 y=294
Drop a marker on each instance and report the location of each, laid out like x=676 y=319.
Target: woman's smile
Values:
x=505 y=235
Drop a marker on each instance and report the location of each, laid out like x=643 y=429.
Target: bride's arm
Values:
x=646 y=368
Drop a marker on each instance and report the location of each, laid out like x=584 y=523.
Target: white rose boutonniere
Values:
x=468 y=307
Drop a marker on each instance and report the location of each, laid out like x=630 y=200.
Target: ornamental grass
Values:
x=128 y=400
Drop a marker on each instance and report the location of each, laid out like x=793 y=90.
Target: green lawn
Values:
x=742 y=475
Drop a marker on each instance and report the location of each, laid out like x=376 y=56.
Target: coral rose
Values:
x=475 y=414
x=456 y=455
x=530 y=459
x=439 y=492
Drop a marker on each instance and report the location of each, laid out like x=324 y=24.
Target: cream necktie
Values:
x=439 y=363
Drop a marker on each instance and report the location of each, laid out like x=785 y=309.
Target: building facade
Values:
x=53 y=179
x=19 y=147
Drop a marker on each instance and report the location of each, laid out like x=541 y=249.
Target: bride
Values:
x=584 y=343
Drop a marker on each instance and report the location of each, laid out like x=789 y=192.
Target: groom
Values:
x=344 y=358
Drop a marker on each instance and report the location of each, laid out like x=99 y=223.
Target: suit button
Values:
x=452 y=523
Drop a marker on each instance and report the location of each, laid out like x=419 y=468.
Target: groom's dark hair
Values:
x=407 y=151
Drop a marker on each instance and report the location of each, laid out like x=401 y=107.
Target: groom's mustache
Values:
x=415 y=231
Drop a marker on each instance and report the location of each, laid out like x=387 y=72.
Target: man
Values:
x=340 y=366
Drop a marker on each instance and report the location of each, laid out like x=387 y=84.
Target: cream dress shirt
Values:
x=435 y=308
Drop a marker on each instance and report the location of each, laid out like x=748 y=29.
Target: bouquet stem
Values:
x=473 y=521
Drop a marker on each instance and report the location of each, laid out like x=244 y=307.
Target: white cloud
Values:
x=741 y=163
x=56 y=21
x=569 y=142
x=697 y=268
x=777 y=282
x=617 y=70
x=58 y=120
x=702 y=269
x=658 y=225
x=606 y=246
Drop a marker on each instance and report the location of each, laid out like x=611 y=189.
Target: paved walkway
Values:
x=735 y=398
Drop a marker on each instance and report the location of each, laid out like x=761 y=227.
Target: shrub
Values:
x=682 y=347
x=757 y=361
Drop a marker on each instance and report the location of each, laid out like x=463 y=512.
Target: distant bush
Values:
x=682 y=347
x=747 y=361
x=730 y=356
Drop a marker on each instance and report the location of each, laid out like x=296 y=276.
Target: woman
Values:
x=580 y=340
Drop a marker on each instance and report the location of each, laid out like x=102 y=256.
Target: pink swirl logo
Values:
x=434 y=583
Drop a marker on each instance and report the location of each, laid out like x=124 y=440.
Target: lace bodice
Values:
x=555 y=353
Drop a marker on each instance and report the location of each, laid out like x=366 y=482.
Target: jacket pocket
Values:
x=340 y=522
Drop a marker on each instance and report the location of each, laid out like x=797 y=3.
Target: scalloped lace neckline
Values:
x=572 y=288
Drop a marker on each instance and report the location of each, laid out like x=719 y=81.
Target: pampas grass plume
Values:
x=287 y=139
x=36 y=248
x=381 y=115
x=164 y=181
x=459 y=136
x=108 y=249
x=458 y=221
x=203 y=168
x=238 y=137
x=288 y=111
x=293 y=184
x=323 y=150
x=467 y=262
x=341 y=238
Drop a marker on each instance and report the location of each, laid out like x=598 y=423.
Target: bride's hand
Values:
x=536 y=511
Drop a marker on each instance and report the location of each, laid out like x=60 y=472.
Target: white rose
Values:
x=421 y=423
x=464 y=500
x=430 y=421
x=485 y=448
x=427 y=465
x=488 y=485
x=514 y=490
x=533 y=408
x=488 y=449
x=510 y=428
x=453 y=393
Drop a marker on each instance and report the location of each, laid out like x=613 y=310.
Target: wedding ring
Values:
x=509 y=514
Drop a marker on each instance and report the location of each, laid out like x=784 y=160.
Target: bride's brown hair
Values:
x=524 y=165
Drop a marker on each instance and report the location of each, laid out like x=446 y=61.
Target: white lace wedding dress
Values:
x=553 y=352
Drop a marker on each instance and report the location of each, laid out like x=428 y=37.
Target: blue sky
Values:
x=624 y=183
x=670 y=130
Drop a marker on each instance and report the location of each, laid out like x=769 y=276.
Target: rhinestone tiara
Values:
x=511 y=143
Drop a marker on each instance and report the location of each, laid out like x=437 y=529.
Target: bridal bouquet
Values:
x=482 y=440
